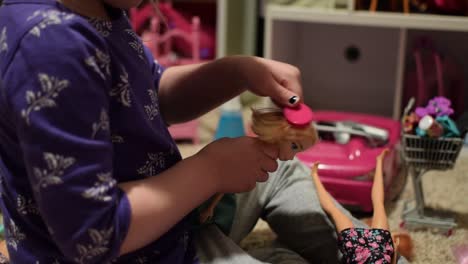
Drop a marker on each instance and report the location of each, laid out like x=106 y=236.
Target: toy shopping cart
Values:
x=422 y=154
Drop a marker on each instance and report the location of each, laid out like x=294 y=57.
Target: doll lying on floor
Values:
x=362 y=245
x=405 y=245
x=292 y=133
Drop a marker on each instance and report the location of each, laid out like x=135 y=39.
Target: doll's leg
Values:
x=379 y=218
x=208 y=212
x=406 y=6
x=373 y=5
x=328 y=204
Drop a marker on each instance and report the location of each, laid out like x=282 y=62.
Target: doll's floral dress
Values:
x=363 y=245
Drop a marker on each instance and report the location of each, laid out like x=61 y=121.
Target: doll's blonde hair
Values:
x=271 y=126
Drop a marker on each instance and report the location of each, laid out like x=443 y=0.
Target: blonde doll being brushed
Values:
x=271 y=126
x=361 y=245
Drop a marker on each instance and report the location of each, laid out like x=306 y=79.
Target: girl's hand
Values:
x=239 y=163
x=278 y=80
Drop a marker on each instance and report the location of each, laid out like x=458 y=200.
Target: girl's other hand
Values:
x=239 y=163
x=278 y=80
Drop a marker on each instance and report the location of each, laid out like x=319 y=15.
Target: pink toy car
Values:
x=347 y=152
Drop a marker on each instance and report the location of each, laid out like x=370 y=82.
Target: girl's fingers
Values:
x=269 y=165
x=271 y=150
x=262 y=176
x=283 y=96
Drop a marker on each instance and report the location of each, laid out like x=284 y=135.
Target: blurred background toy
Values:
x=461 y=253
x=175 y=37
x=182 y=22
x=433 y=120
x=437 y=75
x=438 y=106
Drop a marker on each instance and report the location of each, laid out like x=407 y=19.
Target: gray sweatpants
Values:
x=289 y=204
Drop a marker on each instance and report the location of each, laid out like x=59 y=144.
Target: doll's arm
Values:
x=406 y=6
x=379 y=218
x=403 y=245
x=373 y=5
x=396 y=244
x=341 y=220
x=208 y=212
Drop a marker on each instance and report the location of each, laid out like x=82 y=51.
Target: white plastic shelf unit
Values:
x=355 y=60
x=236 y=27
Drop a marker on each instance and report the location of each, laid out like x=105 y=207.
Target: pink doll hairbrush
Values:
x=301 y=115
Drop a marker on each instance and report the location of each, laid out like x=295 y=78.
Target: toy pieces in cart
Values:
x=432 y=120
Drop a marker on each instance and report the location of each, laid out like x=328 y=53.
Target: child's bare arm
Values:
x=201 y=87
x=158 y=203
x=224 y=166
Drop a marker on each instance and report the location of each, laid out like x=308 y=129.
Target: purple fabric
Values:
x=79 y=114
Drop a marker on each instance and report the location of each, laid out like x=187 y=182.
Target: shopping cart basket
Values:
x=422 y=154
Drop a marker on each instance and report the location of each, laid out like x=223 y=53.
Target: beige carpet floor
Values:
x=444 y=191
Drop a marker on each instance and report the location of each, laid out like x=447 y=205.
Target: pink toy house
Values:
x=161 y=44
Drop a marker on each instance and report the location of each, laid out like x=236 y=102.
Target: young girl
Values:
x=84 y=110
x=361 y=245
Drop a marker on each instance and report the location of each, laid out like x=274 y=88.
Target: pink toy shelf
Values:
x=162 y=45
